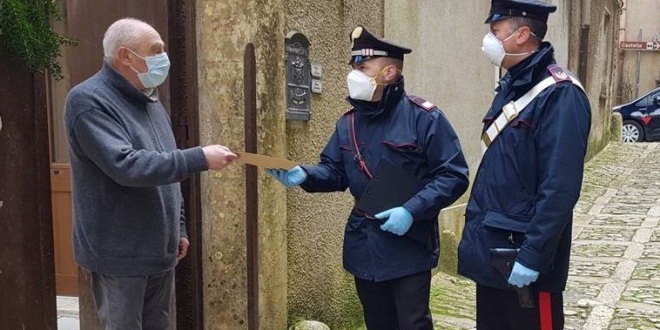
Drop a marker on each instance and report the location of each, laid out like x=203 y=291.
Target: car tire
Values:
x=632 y=131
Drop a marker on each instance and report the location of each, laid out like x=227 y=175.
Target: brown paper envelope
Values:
x=265 y=161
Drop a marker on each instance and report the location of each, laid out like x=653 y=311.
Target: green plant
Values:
x=26 y=34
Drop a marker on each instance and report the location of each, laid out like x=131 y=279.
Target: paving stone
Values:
x=643 y=235
x=606 y=234
x=618 y=220
x=599 y=318
x=655 y=237
x=647 y=270
x=645 y=293
x=651 y=251
x=590 y=250
x=578 y=299
x=625 y=319
x=452 y=302
x=631 y=191
x=592 y=268
x=582 y=207
x=611 y=192
x=590 y=192
x=654 y=211
x=611 y=293
x=635 y=251
x=651 y=222
x=646 y=187
x=635 y=200
x=626 y=209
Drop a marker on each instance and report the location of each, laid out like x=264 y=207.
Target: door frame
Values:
x=184 y=107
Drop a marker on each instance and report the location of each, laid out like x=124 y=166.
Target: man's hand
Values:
x=183 y=248
x=290 y=178
x=218 y=156
x=399 y=221
x=522 y=276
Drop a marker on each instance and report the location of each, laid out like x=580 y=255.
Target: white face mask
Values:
x=493 y=48
x=360 y=85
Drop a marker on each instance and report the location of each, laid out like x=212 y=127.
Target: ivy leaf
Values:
x=26 y=34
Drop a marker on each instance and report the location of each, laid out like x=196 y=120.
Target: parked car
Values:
x=641 y=118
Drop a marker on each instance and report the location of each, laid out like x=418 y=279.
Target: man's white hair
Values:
x=125 y=32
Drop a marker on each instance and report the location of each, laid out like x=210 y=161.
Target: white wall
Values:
x=446 y=66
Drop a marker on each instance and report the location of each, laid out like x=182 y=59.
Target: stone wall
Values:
x=603 y=21
x=224 y=28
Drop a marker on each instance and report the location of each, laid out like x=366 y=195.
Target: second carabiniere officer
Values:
x=534 y=139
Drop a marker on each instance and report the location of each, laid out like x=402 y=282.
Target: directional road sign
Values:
x=640 y=45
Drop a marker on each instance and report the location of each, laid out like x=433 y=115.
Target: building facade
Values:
x=639 y=69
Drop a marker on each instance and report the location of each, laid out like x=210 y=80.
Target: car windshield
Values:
x=647 y=100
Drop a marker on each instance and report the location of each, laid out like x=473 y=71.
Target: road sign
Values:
x=640 y=45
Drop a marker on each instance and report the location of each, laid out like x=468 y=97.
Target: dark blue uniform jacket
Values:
x=419 y=140
x=529 y=179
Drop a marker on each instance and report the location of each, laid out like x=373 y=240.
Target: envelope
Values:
x=265 y=161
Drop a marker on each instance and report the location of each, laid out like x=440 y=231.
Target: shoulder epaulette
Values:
x=351 y=110
x=422 y=103
x=559 y=73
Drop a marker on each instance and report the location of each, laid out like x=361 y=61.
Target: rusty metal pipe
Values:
x=251 y=188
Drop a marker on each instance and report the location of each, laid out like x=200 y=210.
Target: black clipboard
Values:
x=390 y=186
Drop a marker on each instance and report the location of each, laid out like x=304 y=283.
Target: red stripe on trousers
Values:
x=545 y=310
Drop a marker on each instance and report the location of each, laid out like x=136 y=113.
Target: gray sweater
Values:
x=126 y=169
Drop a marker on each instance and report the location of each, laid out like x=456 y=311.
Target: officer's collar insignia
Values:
x=422 y=103
x=558 y=73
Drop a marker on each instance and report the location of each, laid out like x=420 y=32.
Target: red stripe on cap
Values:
x=545 y=310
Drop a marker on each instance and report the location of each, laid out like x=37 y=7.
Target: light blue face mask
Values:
x=158 y=67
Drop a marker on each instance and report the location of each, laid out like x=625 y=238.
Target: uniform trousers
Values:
x=398 y=304
x=135 y=302
x=498 y=309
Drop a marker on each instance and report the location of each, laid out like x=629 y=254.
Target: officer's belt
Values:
x=361 y=213
x=513 y=108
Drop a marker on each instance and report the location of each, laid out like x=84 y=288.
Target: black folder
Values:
x=390 y=186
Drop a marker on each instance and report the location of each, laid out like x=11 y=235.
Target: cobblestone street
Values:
x=614 y=278
x=615 y=269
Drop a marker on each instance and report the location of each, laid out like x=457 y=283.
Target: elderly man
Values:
x=534 y=139
x=129 y=229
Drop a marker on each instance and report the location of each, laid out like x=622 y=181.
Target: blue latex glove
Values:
x=290 y=178
x=399 y=220
x=522 y=276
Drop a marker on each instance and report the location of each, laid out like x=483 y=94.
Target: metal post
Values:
x=639 y=65
x=251 y=188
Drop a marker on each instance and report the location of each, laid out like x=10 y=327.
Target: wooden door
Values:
x=66 y=271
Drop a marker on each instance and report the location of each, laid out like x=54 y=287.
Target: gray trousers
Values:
x=135 y=302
